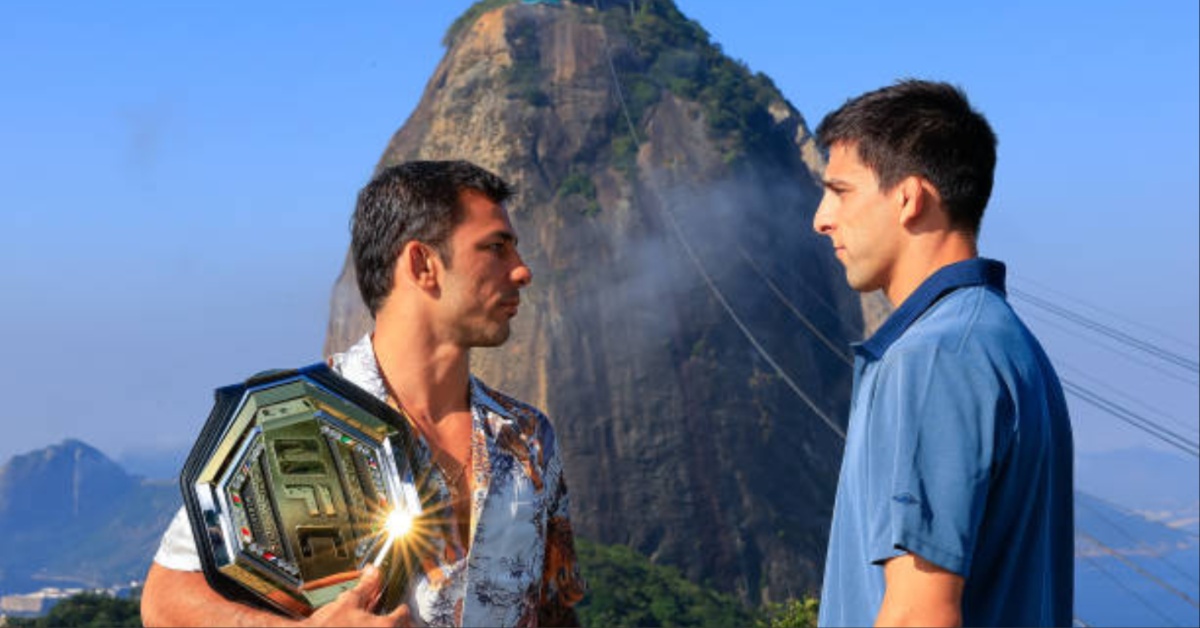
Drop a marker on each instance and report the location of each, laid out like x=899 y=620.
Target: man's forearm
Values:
x=919 y=593
x=183 y=598
x=897 y=613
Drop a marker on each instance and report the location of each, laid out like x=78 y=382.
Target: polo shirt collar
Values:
x=977 y=271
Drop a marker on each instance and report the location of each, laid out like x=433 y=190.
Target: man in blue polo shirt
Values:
x=954 y=504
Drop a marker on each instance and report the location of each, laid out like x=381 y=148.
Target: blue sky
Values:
x=176 y=180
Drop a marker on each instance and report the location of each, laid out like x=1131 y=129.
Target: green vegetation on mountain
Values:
x=669 y=52
x=87 y=609
x=791 y=614
x=676 y=54
x=524 y=76
x=468 y=18
x=626 y=589
x=580 y=185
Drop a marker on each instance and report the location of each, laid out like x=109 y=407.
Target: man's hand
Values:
x=183 y=598
x=919 y=593
x=355 y=606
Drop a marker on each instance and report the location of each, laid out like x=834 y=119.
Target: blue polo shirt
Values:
x=959 y=451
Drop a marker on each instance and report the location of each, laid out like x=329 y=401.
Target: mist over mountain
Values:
x=686 y=330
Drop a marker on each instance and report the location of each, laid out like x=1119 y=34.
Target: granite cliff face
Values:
x=685 y=330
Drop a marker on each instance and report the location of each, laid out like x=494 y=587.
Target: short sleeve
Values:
x=931 y=449
x=178 y=547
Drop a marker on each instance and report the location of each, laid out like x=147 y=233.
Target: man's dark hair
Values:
x=921 y=128
x=415 y=200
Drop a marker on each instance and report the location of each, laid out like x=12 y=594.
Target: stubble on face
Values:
x=854 y=213
x=482 y=296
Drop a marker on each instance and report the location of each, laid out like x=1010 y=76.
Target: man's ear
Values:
x=916 y=197
x=418 y=265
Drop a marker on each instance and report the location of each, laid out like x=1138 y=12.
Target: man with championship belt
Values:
x=437 y=264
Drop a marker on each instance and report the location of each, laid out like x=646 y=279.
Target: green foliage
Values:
x=88 y=609
x=468 y=18
x=626 y=589
x=524 y=76
x=624 y=153
x=674 y=53
x=577 y=183
x=792 y=614
x=580 y=184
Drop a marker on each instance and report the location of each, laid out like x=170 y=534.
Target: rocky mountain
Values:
x=686 y=330
x=69 y=516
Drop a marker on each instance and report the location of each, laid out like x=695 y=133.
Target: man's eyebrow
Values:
x=835 y=184
x=505 y=236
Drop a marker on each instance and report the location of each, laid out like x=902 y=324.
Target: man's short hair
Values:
x=921 y=128
x=415 y=200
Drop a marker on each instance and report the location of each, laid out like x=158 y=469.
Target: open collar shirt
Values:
x=521 y=558
x=520 y=567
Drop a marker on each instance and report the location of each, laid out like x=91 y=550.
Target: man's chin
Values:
x=493 y=339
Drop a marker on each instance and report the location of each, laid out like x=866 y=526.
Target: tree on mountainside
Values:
x=88 y=609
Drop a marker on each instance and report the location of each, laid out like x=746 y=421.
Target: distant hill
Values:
x=1140 y=478
x=154 y=464
x=1131 y=571
x=70 y=516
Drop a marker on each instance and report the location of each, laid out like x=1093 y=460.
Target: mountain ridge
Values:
x=70 y=516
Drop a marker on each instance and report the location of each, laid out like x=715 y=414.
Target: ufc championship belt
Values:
x=298 y=481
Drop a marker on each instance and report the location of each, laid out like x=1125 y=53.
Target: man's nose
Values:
x=521 y=275
x=821 y=220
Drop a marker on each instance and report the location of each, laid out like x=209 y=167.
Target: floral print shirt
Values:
x=520 y=567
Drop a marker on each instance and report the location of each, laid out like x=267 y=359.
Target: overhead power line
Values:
x=837 y=317
x=1192 y=429
x=1124 y=587
x=1063 y=326
x=1059 y=294
x=829 y=344
x=1135 y=419
x=682 y=239
x=1131 y=537
x=712 y=286
x=1150 y=348
x=1134 y=566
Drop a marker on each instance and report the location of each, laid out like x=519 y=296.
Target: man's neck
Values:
x=925 y=257
x=429 y=379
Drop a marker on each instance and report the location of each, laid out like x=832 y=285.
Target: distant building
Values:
x=34 y=604
x=40 y=602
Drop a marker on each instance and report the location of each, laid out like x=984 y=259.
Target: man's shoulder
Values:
x=964 y=321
